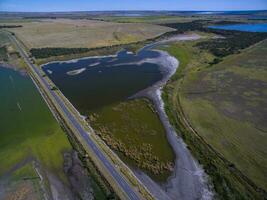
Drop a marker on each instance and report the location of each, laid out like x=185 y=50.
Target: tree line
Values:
x=10 y=26
x=231 y=41
x=48 y=52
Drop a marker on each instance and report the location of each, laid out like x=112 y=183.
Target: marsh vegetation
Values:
x=134 y=130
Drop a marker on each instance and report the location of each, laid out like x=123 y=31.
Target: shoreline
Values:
x=22 y=71
x=186 y=167
x=76 y=72
x=188 y=180
x=74 y=60
x=179 y=37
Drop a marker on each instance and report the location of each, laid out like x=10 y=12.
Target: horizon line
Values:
x=243 y=10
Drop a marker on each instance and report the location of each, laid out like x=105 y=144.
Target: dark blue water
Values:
x=243 y=27
x=104 y=80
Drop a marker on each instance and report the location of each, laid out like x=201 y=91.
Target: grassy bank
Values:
x=202 y=102
x=8 y=53
x=133 y=129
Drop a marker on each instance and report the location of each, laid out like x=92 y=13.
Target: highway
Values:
x=129 y=192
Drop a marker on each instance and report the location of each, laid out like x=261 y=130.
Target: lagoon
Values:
x=94 y=82
x=243 y=27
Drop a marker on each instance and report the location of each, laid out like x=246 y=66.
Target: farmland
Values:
x=162 y=19
x=83 y=33
x=237 y=104
x=225 y=104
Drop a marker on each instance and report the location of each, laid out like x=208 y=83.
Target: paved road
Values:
x=122 y=183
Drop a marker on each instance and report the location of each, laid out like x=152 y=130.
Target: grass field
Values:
x=3 y=54
x=226 y=105
x=134 y=130
x=8 y=53
x=83 y=33
x=149 y=19
x=3 y=50
x=3 y=38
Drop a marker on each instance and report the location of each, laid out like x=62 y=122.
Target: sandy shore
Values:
x=76 y=72
x=188 y=180
x=75 y=60
x=22 y=71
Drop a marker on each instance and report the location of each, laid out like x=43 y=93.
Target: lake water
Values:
x=90 y=83
x=243 y=27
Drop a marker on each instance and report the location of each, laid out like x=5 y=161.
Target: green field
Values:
x=84 y=33
x=8 y=53
x=226 y=105
x=149 y=19
x=133 y=129
x=3 y=51
x=3 y=54
x=3 y=38
x=28 y=128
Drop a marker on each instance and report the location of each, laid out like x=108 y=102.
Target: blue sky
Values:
x=93 y=5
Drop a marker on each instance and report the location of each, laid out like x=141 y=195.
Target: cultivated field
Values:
x=83 y=33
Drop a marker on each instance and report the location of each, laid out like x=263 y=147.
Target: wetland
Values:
x=120 y=97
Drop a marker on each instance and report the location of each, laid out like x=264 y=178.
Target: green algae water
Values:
x=29 y=131
x=27 y=128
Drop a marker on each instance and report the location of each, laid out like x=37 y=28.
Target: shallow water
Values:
x=28 y=131
x=243 y=27
x=91 y=83
x=22 y=106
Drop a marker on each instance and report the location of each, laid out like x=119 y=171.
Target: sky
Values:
x=102 y=5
